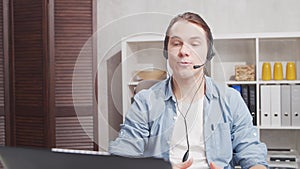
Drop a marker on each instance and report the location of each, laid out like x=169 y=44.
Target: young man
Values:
x=189 y=119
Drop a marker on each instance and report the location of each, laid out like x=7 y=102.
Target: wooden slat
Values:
x=28 y=49
x=29 y=71
x=74 y=133
x=1 y=61
x=73 y=74
x=2 y=130
x=76 y=110
x=2 y=113
x=30 y=131
x=73 y=27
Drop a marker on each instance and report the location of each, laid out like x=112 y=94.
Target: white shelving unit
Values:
x=256 y=49
x=139 y=53
x=142 y=52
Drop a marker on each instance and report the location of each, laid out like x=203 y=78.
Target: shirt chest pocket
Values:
x=222 y=142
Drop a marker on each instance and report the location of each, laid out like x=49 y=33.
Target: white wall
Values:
x=248 y=16
x=224 y=16
x=123 y=18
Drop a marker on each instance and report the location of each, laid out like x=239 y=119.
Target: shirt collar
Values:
x=169 y=92
x=210 y=89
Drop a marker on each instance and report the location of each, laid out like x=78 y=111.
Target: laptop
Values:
x=29 y=158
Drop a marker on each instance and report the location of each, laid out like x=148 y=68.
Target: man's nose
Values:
x=184 y=51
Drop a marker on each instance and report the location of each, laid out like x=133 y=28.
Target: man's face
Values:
x=187 y=47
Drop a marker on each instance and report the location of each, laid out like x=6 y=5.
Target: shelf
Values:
x=240 y=82
x=279 y=82
x=279 y=128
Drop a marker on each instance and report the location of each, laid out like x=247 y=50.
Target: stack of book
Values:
x=248 y=93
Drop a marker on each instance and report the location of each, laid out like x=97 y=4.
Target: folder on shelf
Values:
x=265 y=105
x=248 y=93
x=295 y=106
x=285 y=105
x=275 y=105
x=236 y=87
x=245 y=94
x=252 y=103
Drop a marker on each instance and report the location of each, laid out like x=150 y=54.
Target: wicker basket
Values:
x=154 y=74
x=244 y=72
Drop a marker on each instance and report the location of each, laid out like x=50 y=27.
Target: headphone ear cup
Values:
x=165 y=53
x=210 y=53
x=168 y=68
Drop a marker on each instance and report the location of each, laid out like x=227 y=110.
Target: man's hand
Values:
x=183 y=165
x=214 y=166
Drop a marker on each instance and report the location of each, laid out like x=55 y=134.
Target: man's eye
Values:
x=176 y=43
x=196 y=44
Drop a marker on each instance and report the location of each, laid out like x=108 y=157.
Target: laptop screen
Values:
x=29 y=158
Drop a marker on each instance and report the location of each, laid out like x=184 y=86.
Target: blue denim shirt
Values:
x=230 y=137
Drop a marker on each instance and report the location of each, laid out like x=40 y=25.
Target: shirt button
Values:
x=175 y=117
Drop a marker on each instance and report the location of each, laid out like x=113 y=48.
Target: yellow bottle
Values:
x=290 y=71
x=266 y=71
x=278 y=73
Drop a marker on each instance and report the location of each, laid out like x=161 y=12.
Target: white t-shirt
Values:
x=178 y=143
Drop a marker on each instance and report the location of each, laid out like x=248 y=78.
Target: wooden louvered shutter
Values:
x=3 y=25
x=76 y=122
x=2 y=112
x=29 y=73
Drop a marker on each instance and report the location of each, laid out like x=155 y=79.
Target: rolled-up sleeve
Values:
x=248 y=150
x=134 y=133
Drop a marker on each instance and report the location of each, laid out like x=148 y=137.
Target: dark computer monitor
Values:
x=29 y=158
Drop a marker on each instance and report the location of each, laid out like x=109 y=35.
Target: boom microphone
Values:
x=198 y=66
